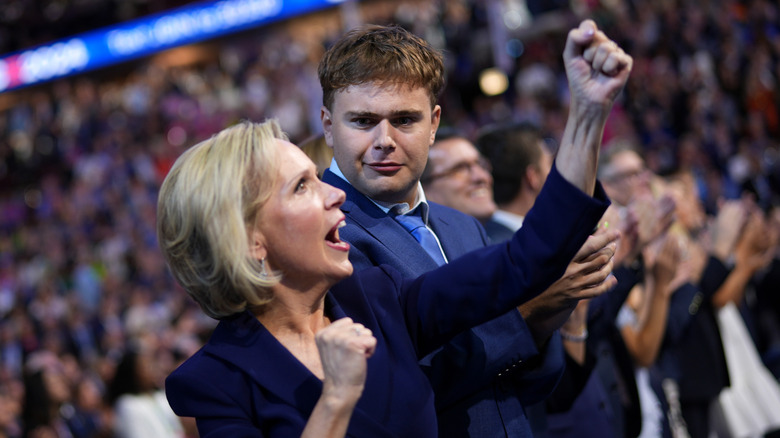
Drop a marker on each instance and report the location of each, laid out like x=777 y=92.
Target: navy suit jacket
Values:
x=497 y=232
x=484 y=377
x=588 y=414
x=244 y=383
x=614 y=364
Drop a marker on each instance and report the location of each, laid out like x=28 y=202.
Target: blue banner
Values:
x=133 y=39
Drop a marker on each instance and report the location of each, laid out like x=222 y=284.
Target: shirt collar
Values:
x=510 y=220
x=387 y=207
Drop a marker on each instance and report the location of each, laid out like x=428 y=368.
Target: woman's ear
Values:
x=257 y=247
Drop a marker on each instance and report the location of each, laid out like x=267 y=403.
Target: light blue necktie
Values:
x=414 y=224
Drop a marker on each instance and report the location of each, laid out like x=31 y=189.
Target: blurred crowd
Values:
x=83 y=286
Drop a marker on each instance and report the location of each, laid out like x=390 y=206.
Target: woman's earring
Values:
x=263 y=269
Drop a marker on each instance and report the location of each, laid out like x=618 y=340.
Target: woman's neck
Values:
x=294 y=318
x=293 y=311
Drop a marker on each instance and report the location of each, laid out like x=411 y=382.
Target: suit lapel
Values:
x=451 y=236
x=364 y=214
x=246 y=343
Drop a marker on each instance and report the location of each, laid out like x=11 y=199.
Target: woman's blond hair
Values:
x=206 y=211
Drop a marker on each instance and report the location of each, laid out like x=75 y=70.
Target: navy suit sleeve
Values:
x=517 y=364
x=502 y=346
x=498 y=278
x=686 y=301
x=500 y=349
x=536 y=378
x=713 y=277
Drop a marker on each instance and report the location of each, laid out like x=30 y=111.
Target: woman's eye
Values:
x=301 y=186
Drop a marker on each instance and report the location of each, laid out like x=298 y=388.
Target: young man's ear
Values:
x=435 y=119
x=327 y=125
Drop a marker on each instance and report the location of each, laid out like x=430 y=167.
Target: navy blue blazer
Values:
x=244 y=383
x=484 y=377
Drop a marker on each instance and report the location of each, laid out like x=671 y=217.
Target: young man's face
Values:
x=380 y=135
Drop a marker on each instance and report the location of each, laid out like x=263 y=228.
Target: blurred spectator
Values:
x=47 y=393
x=90 y=417
x=458 y=176
x=11 y=395
x=318 y=151
x=141 y=409
x=520 y=163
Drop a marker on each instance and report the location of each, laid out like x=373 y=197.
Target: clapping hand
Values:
x=587 y=276
x=662 y=259
x=727 y=227
x=654 y=217
x=625 y=221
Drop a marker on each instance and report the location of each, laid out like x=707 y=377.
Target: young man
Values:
x=380 y=88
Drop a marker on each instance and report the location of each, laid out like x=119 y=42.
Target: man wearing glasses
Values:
x=458 y=176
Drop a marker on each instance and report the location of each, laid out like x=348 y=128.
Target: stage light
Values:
x=493 y=82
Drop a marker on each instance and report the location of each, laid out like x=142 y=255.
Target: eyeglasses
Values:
x=462 y=169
